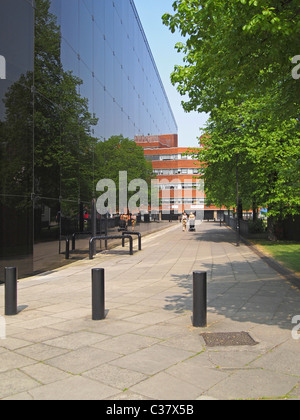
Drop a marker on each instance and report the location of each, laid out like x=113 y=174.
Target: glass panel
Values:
x=99 y=15
x=69 y=59
x=99 y=56
x=86 y=36
x=92 y=60
x=16 y=137
x=46 y=234
x=70 y=23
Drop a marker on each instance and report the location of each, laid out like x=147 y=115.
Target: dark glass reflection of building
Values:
x=77 y=72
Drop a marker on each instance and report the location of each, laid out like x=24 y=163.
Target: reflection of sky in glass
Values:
x=103 y=45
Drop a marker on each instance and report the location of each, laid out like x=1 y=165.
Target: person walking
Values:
x=133 y=222
x=184 y=221
x=192 y=222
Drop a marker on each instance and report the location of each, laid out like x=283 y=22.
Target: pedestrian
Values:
x=184 y=221
x=126 y=219
x=192 y=222
x=133 y=222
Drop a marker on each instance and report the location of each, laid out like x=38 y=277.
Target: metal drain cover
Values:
x=228 y=339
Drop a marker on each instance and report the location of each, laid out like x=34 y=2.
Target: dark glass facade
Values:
x=77 y=72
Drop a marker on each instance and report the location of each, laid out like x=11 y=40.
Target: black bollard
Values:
x=67 y=255
x=98 y=294
x=199 y=299
x=11 y=291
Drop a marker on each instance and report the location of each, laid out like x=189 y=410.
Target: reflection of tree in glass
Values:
x=16 y=141
x=46 y=119
x=62 y=122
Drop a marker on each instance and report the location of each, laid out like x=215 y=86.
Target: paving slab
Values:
x=254 y=384
x=166 y=387
x=114 y=376
x=153 y=360
x=14 y=382
x=74 y=388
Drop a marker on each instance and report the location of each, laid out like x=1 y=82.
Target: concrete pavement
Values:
x=147 y=348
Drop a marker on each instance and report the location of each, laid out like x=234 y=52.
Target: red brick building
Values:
x=177 y=173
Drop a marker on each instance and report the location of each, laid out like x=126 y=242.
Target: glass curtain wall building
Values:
x=76 y=72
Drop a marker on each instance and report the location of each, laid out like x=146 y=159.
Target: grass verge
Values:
x=285 y=252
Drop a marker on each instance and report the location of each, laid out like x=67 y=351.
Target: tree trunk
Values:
x=254 y=210
x=271 y=229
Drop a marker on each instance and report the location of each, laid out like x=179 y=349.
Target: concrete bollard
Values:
x=199 y=299
x=11 y=307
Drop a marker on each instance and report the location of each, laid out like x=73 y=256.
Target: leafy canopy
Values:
x=237 y=67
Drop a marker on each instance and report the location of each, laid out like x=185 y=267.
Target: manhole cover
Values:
x=228 y=339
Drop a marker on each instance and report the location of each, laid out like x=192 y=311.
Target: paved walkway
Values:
x=146 y=348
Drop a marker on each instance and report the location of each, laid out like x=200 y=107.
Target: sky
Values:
x=162 y=43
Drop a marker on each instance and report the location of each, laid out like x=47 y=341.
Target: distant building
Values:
x=178 y=175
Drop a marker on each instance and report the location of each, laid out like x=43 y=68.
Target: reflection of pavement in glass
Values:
x=47 y=257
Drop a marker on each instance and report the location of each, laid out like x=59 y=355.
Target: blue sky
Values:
x=162 y=43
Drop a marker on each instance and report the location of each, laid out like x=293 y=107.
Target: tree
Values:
x=119 y=154
x=244 y=138
x=238 y=63
x=234 y=46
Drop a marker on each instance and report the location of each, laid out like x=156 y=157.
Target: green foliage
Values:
x=238 y=69
x=121 y=154
x=257 y=226
x=247 y=139
x=235 y=46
